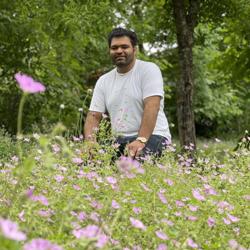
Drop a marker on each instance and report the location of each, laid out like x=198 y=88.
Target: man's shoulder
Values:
x=146 y=66
x=107 y=75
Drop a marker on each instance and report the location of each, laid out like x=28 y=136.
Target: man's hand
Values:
x=134 y=148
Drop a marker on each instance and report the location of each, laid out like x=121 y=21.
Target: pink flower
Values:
x=179 y=203
x=191 y=243
x=233 y=244
x=111 y=180
x=161 y=235
x=91 y=232
x=137 y=223
x=21 y=215
x=41 y=244
x=137 y=210
x=77 y=160
x=27 y=84
x=168 y=222
x=226 y=221
x=145 y=187
x=162 y=247
x=76 y=187
x=211 y=222
x=209 y=190
x=41 y=198
x=192 y=218
x=162 y=197
x=59 y=178
x=81 y=216
x=9 y=230
x=193 y=208
x=197 y=195
x=169 y=182
x=232 y=218
x=115 y=204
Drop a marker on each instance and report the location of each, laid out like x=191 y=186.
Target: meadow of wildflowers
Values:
x=67 y=194
x=57 y=197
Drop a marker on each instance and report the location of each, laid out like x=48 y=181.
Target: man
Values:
x=132 y=95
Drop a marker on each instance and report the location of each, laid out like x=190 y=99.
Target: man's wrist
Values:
x=142 y=139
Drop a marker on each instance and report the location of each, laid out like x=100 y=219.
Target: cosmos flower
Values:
x=161 y=235
x=137 y=223
x=197 y=195
x=41 y=244
x=28 y=84
x=10 y=230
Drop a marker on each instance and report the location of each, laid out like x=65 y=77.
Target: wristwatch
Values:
x=142 y=139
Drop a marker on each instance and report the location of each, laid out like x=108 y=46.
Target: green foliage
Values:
x=7 y=147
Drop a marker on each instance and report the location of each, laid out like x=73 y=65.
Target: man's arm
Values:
x=150 y=112
x=91 y=124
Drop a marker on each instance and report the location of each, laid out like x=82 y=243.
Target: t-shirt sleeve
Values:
x=98 y=99
x=152 y=82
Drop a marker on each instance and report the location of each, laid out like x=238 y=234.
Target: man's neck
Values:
x=127 y=68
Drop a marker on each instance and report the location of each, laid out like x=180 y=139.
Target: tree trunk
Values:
x=185 y=15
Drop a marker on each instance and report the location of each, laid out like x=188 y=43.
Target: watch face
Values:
x=142 y=139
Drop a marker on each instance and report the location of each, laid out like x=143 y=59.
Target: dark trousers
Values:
x=154 y=145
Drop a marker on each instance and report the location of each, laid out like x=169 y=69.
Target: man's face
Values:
x=121 y=51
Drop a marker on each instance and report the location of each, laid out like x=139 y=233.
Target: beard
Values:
x=122 y=61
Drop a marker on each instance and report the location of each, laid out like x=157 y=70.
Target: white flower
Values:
x=89 y=91
x=80 y=109
x=62 y=106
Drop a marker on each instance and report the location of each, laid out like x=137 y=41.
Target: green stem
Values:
x=19 y=124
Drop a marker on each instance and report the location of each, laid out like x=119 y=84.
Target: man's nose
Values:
x=119 y=50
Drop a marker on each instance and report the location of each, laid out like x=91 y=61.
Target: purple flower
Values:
x=162 y=197
x=21 y=215
x=137 y=210
x=102 y=240
x=211 y=222
x=41 y=244
x=77 y=160
x=192 y=218
x=92 y=232
x=169 y=182
x=137 y=223
x=232 y=218
x=209 y=190
x=145 y=187
x=28 y=84
x=89 y=231
x=193 y=208
x=162 y=247
x=226 y=221
x=41 y=198
x=9 y=230
x=59 y=178
x=233 y=244
x=191 y=243
x=111 y=180
x=179 y=203
x=197 y=195
x=161 y=235
x=115 y=204
x=168 y=222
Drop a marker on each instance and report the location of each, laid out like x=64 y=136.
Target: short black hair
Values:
x=119 y=32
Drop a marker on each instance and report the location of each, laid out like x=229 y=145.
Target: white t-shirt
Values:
x=122 y=95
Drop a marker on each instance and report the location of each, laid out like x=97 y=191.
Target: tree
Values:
x=185 y=15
